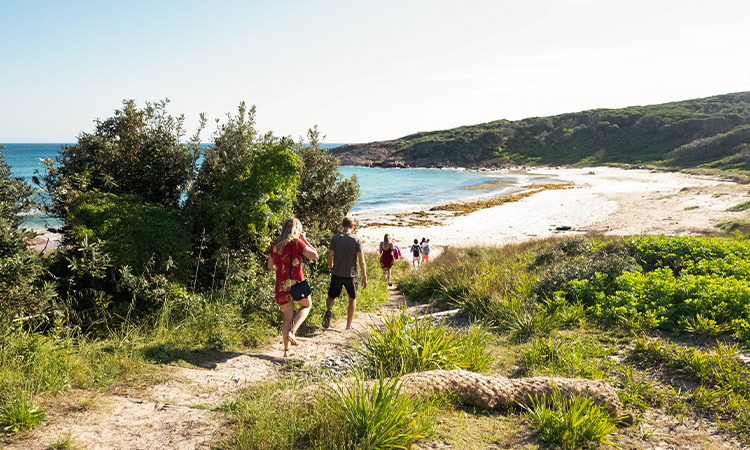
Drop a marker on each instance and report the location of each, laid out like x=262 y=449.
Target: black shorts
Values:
x=351 y=285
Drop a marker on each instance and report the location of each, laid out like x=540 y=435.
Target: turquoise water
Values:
x=381 y=190
x=397 y=190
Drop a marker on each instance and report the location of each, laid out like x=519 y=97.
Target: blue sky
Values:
x=361 y=71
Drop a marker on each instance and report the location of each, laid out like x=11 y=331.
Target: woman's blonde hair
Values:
x=387 y=239
x=290 y=230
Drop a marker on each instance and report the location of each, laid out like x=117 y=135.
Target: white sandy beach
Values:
x=603 y=200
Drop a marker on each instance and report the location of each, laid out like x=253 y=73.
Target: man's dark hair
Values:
x=347 y=222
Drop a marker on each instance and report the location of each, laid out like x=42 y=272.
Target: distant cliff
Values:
x=711 y=132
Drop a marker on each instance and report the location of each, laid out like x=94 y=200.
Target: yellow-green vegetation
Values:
x=463 y=208
x=741 y=207
x=65 y=442
x=493 y=184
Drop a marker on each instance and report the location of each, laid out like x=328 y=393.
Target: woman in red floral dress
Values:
x=290 y=247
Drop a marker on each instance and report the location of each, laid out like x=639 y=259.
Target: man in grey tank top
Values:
x=343 y=254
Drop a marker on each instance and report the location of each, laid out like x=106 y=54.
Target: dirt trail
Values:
x=177 y=413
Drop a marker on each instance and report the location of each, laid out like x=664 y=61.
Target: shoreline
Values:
x=602 y=200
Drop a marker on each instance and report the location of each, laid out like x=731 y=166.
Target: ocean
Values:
x=381 y=190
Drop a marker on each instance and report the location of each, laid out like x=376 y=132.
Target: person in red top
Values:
x=386 y=257
x=288 y=249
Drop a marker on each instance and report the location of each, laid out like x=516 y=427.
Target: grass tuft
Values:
x=404 y=344
x=570 y=424
x=18 y=414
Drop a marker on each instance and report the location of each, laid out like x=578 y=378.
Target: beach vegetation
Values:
x=621 y=307
x=739 y=207
x=137 y=151
x=18 y=414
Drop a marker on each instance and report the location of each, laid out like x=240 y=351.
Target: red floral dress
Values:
x=281 y=261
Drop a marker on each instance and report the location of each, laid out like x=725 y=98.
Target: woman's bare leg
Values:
x=286 y=325
x=304 y=310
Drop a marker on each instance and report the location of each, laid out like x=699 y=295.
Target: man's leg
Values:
x=329 y=312
x=350 y=312
x=334 y=290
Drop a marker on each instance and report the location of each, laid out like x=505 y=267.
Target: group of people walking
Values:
x=389 y=253
x=345 y=260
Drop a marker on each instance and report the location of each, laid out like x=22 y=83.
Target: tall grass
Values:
x=404 y=344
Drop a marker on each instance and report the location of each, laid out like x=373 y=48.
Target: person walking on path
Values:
x=343 y=254
x=416 y=253
x=425 y=250
x=387 y=259
x=286 y=258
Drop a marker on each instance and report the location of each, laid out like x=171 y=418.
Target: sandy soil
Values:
x=603 y=200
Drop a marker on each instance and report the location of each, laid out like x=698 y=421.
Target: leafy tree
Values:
x=324 y=196
x=21 y=291
x=245 y=187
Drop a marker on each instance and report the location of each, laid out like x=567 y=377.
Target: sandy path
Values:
x=603 y=200
x=178 y=413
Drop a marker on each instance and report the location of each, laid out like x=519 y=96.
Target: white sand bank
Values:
x=603 y=200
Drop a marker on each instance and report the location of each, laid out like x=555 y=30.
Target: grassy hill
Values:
x=710 y=133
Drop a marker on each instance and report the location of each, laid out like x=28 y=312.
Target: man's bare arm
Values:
x=329 y=259
x=363 y=268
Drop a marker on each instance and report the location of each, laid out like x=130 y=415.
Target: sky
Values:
x=360 y=71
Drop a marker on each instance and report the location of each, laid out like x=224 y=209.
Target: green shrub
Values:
x=692 y=255
x=135 y=233
x=570 y=424
x=403 y=344
x=603 y=265
x=659 y=299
